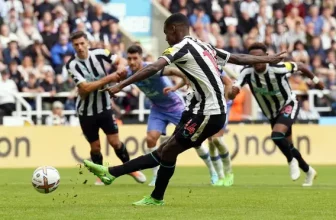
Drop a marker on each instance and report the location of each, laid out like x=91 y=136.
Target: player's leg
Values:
x=90 y=130
x=224 y=154
x=204 y=154
x=215 y=159
x=107 y=123
x=280 y=127
x=157 y=124
x=311 y=174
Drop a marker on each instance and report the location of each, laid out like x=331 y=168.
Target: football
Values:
x=46 y=179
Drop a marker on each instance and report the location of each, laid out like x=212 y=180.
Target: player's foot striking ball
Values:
x=206 y=105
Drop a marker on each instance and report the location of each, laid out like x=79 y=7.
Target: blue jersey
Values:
x=153 y=89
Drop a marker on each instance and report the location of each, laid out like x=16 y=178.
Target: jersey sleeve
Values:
x=107 y=55
x=222 y=56
x=174 y=54
x=76 y=73
x=286 y=68
x=241 y=81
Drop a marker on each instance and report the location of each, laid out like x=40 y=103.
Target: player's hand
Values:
x=168 y=90
x=186 y=81
x=274 y=59
x=319 y=85
x=121 y=72
x=234 y=92
x=113 y=90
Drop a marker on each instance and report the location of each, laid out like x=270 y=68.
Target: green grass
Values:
x=259 y=193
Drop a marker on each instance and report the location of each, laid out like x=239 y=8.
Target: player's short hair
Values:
x=177 y=18
x=258 y=46
x=134 y=49
x=77 y=35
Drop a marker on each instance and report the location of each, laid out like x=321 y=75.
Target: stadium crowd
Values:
x=34 y=42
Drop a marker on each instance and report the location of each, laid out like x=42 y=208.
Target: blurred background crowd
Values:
x=34 y=43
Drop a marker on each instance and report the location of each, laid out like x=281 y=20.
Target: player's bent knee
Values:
x=151 y=141
x=114 y=141
x=277 y=135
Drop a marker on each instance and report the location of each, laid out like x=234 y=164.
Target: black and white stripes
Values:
x=89 y=70
x=198 y=61
x=270 y=88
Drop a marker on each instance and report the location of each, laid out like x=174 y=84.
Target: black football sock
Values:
x=297 y=155
x=140 y=163
x=280 y=140
x=97 y=157
x=122 y=153
x=165 y=172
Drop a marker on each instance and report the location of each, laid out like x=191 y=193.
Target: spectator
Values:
x=3 y=9
x=199 y=17
x=217 y=17
x=57 y=117
x=81 y=27
x=16 y=5
x=281 y=36
x=8 y=89
x=294 y=19
x=16 y=75
x=246 y=23
x=46 y=19
x=298 y=5
x=97 y=34
x=181 y=4
x=81 y=17
x=250 y=7
x=27 y=67
x=328 y=17
x=31 y=85
x=306 y=113
x=234 y=46
x=59 y=50
x=48 y=36
x=316 y=48
x=69 y=7
x=325 y=37
x=43 y=7
x=114 y=34
x=60 y=16
x=297 y=34
x=37 y=49
x=64 y=29
x=103 y=18
x=315 y=18
x=27 y=34
x=13 y=21
x=330 y=62
x=278 y=18
x=300 y=54
x=12 y=52
x=6 y=36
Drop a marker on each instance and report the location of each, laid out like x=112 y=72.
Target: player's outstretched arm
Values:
x=85 y=88
x=246 y=59
x=142 y=74
x=307 y=73
x=170 y=71
x=228 y=86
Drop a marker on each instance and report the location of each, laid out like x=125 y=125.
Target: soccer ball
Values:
x=46 y=179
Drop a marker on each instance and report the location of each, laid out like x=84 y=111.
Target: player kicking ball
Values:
x=205 y=111
x=218 y=150
x=166 y=108
x=271 y=89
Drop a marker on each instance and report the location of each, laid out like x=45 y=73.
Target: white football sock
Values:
x=223 y=153
x=203 y=153
x=155 y=169
x=216 y=160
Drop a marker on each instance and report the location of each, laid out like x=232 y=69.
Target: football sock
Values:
x=216 y=160
x=297 y=155
x=122 y=153
x=280 y=140
x=223 y=153
x=203 y=153
x=140 y=163
x=166 y=171
x=96 y=157
x=155 y=169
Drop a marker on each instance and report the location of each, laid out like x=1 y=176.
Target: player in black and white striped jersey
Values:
x=271 y=89
x=205 y=113
x=87 y=69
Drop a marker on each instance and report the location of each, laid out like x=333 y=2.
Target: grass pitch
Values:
x=259 y=193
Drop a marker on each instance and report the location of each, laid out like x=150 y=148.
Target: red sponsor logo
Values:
x=190 y=128
x=287 y=110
